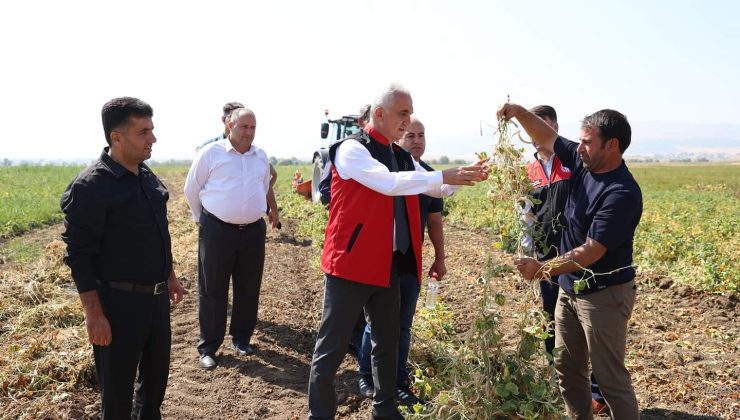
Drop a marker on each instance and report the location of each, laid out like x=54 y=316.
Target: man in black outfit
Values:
x=119 y=251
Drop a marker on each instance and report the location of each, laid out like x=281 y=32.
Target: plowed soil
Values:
x=682 y=351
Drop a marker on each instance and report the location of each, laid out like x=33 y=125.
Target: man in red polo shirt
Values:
x=373 y=234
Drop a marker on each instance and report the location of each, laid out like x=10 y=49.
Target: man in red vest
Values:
x=373 y=234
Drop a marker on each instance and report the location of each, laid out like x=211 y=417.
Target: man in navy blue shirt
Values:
x=595 y=269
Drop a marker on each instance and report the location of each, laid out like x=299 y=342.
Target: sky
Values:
x=671 y=66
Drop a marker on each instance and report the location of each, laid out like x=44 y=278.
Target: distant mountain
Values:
x=709 y=141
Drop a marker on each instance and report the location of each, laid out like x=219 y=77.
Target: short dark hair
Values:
x=545 y=111
x=365 y=112
x=230 y=107
x=117 y=111
x=611 y=124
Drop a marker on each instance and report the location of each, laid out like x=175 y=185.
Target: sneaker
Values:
x=367 y=388
x=405 y=396
x=599 y=407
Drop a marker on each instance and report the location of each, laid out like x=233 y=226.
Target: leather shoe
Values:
x=367 y=388
x=208 y=361
x=243 y=349
x=599 y=407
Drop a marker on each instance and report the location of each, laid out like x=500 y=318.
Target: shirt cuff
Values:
x=435 y=180
x=84 y=278
x=196 y=213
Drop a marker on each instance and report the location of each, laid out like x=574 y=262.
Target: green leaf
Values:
x=509 y=406
x=499 y=299
x=417 y=408
x=427 y=388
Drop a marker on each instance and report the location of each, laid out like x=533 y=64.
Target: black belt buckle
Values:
x=160 y=288
x=243 y=226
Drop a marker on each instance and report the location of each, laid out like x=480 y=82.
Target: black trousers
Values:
x=549 y=291
x=343 y=299
x=226 y=252
x=141 y=337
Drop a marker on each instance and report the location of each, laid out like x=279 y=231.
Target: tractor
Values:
x=332 y=129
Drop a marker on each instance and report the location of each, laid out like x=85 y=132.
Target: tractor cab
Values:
x=333 y=130
x=339 y=128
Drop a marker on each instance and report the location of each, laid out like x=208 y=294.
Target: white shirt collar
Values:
x=229 y=147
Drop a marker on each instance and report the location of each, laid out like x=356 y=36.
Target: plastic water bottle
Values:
x=432 y=291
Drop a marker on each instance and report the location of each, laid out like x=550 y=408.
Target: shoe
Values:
x=367 y=388
x=208 y=361
x=243 y=349
x=405 y=396
x=599 y=407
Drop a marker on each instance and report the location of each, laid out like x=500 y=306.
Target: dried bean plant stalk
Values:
x=493 y=370
x=518 y=228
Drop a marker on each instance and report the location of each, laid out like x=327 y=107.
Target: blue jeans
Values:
x=409 y=289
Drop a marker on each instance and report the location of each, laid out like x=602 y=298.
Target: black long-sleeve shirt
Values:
x=116 y=226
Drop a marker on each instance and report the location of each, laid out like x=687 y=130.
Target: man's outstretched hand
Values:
x=466 y=175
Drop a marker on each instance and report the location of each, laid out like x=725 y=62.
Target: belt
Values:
x=234 y=225
x=149 y=289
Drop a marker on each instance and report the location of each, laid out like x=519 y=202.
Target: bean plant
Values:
x=483 y=374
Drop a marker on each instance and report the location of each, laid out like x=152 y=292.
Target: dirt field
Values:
x=682 y=350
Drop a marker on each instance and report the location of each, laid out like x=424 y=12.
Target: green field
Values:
x=29 y=195
x=689 y=229
x=689 y=226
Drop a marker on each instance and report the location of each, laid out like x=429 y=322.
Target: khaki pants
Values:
x=594 y=327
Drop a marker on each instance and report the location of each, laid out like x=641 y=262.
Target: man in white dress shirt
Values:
x=228 y=108
x=226 y=189
x=373 y=234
